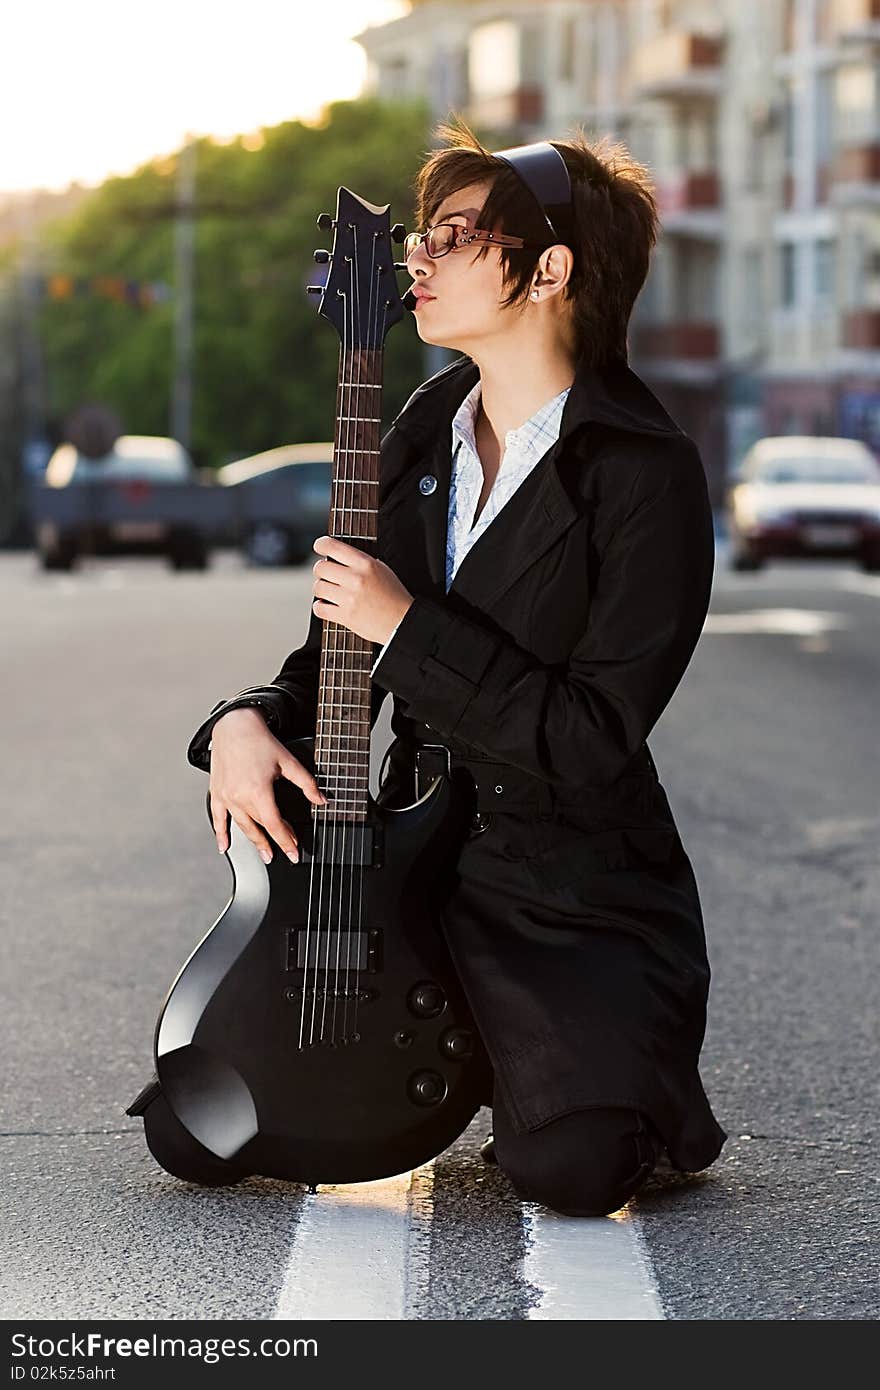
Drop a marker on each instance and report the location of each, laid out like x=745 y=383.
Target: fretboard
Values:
x=342 y=734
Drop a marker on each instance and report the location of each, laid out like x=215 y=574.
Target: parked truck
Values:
x=144 y=496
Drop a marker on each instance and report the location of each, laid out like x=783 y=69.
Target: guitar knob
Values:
x=457 y=1043
x=325 y=221
x=426 y=1000
x=427 y=1088
x=322 y=257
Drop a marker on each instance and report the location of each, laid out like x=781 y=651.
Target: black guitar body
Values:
x=318 y=1032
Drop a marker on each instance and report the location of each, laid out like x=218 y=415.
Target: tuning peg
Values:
x=322 y=257
x=398 y=232
x=315 y=289
x=400 y=265
x=325 y=221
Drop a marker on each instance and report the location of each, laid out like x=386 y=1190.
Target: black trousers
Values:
x=586 y=1163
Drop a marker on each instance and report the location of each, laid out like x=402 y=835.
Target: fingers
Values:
x=220 y=822
x=294 y=771
x=256 y=830
x=255 y=811
x=258 y=837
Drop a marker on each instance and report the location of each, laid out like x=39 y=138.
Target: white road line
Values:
x=361 y=1251
x=794 y=622
x=589 y=1268
x=860 y=584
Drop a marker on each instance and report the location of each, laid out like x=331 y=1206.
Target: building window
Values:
x=824 y=118
x=787 y=274
x=824 y=270
x=494 y=60
x=855 y=97
x=788 y=119
x=396 y=79
x=568 y=38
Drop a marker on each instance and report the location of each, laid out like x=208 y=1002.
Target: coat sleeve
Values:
x=288 y=703
x=576 y=723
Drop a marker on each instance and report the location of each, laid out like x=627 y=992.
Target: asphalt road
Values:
x=110 y=875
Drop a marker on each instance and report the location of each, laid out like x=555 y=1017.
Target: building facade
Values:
x=760 y=123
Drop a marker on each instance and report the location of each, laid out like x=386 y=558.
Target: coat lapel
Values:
x=539 y=511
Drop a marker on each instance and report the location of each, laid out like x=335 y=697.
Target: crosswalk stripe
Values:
x=589 y=1267
x=360 y=1250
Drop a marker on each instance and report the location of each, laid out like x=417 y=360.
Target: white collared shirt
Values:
x=523 y=449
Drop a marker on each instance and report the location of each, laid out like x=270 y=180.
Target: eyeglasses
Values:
x=449 y=236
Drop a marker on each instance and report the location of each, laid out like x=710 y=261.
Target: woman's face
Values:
x=464 y=313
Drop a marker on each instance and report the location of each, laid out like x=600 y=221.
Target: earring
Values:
x=534 y=294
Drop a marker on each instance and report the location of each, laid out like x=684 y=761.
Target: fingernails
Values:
x=221 y=848
x=266 y=856
x=293 y=856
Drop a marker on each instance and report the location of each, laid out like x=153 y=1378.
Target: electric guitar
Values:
x=318 y=1031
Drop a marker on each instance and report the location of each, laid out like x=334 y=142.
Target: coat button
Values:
x=480 y=822
x=427 y=484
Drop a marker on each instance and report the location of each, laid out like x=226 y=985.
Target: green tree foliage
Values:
x=265 y=361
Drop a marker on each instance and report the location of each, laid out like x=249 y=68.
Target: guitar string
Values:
x=352 y=418
x=319 y=813
x=356 y=492
x=331 y=648
x=338 y=641
x=375 y=346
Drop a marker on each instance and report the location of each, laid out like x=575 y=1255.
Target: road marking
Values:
x=589 y=1268
x=361 y=1250
x=860 y=584
x=793 y=622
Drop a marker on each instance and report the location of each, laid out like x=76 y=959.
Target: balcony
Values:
x=686 y=341
x=860 y=328
x=690 y=203
x=854 y=20
x=856 y=174
x=678 y=65
x=522 y=106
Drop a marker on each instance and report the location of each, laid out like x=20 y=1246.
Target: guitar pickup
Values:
x=352 y=950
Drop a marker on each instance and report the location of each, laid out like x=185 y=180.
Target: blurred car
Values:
x=280 y=502
x=805 y=495
x=143 y=497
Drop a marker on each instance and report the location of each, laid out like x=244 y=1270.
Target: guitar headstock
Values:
x=360 y=296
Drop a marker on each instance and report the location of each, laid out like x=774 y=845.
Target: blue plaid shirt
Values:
x=523 y=449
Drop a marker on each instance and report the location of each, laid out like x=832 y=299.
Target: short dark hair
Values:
x=615 y=217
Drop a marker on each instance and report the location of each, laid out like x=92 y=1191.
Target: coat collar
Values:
x=539 y=511
x=610 y=395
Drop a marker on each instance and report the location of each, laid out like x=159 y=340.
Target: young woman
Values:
x=547 y=552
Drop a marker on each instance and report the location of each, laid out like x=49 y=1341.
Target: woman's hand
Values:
x=245 y=761
x=357 y=590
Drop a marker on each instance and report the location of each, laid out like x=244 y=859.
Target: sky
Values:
x=96 y=87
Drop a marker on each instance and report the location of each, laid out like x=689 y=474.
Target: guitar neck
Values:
x=342 y=732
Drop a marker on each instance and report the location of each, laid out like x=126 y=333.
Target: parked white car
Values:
x=280 y=501
x=805 y=495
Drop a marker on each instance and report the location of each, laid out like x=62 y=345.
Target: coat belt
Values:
x=499 y=786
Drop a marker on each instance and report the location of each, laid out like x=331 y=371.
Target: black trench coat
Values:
x=577 y=933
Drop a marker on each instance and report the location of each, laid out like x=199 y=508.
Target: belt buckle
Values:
x=421 y=773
